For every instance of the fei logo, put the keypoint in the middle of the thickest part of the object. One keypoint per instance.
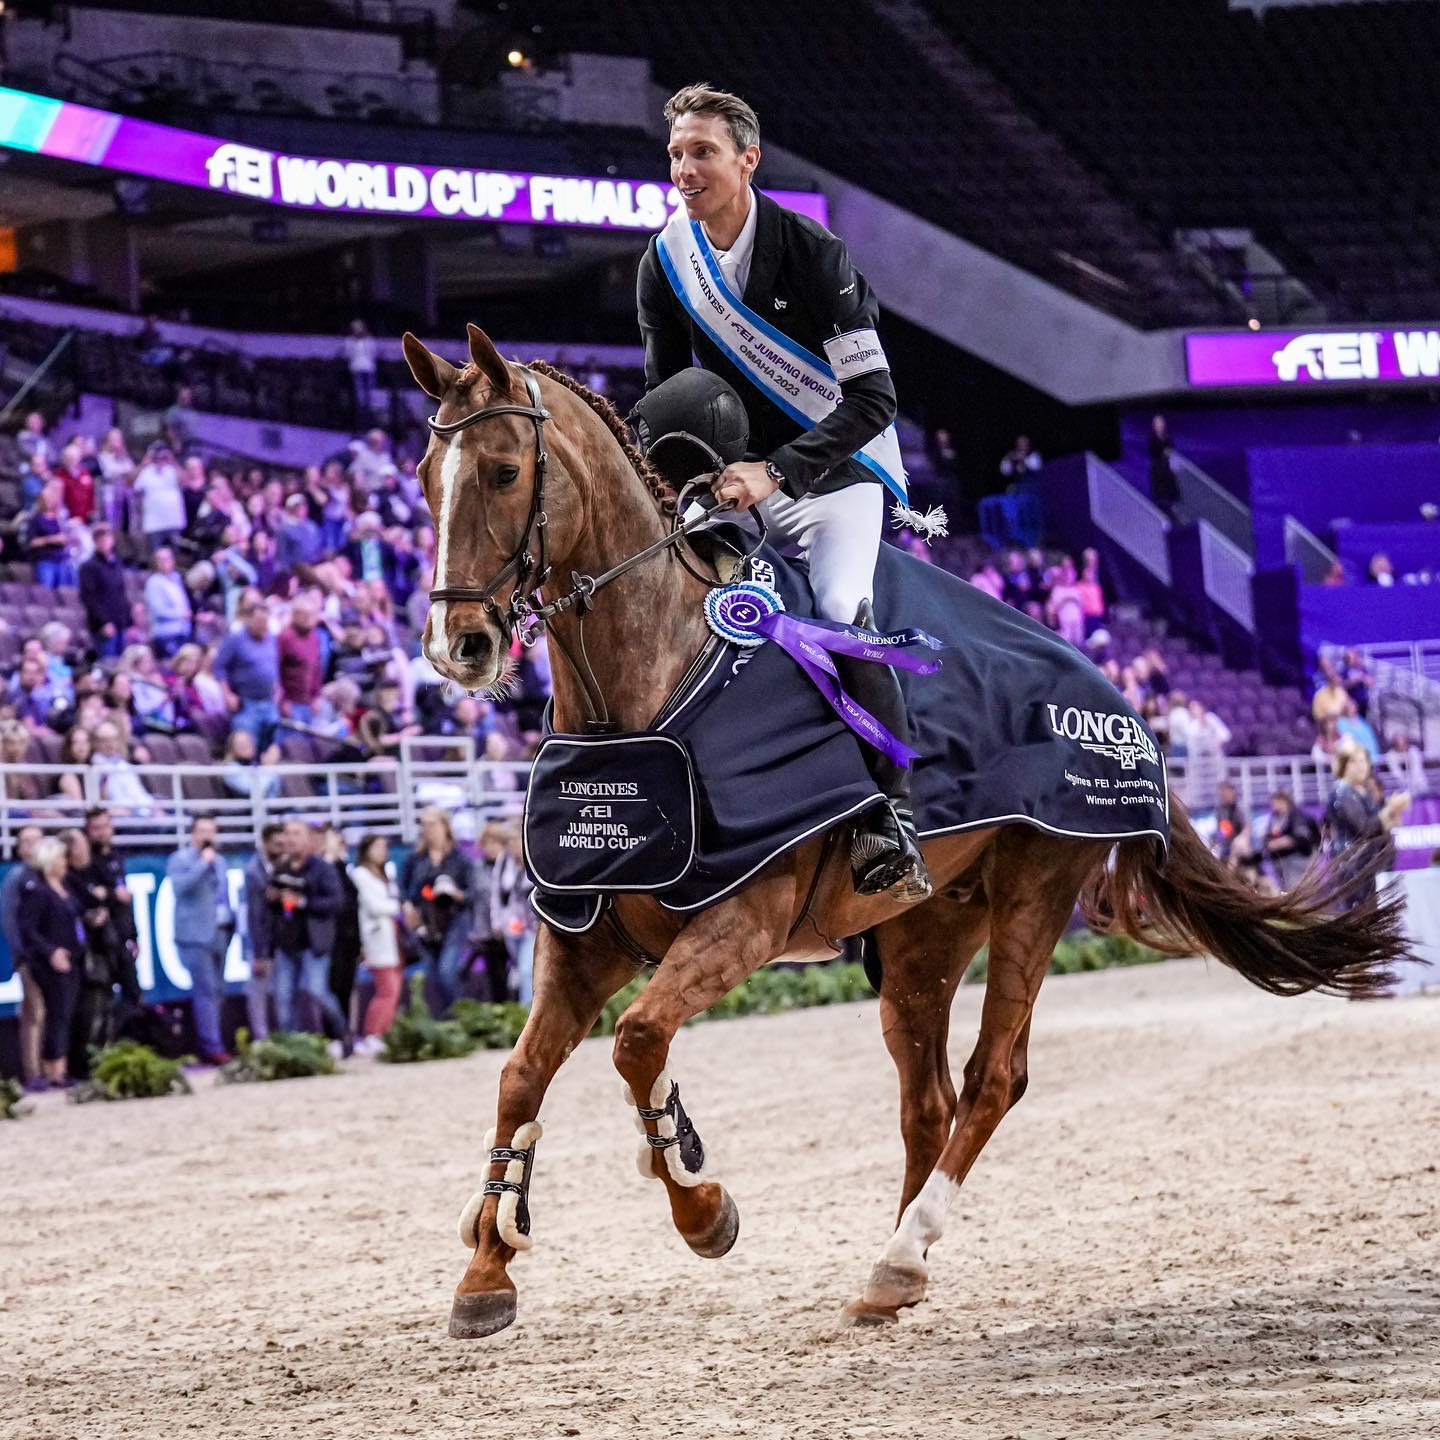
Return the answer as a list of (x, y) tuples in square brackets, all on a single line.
[(1117, 737), (1339, 355), (241, 171)]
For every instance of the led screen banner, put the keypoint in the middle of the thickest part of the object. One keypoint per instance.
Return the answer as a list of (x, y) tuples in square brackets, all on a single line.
[(324, 184), (1302, 359), (161, 971)]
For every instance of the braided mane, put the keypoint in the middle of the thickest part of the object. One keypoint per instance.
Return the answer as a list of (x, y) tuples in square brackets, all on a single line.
[(660, 492)]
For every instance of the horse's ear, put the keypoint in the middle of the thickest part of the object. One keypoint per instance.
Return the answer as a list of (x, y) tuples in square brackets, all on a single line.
[(488, 360), (432, 374)]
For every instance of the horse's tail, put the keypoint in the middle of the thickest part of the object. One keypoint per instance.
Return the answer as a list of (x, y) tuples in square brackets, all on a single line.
[(1187, 902)]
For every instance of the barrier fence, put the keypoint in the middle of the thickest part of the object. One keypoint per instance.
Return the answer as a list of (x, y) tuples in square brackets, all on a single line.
[(1226, 572), (1128, 518), (1305, 550), (387, 798), (379, 797), (1206, 499), (1308, 781)]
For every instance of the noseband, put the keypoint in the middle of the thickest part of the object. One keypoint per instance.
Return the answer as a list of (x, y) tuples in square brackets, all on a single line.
[(529, 571)]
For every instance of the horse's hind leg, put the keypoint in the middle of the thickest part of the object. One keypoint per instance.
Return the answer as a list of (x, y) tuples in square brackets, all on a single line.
[(924, 952), (1034, 882), (713, 953), (573, 980)]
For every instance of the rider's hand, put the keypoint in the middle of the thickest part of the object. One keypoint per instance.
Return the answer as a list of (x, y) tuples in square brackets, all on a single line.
[(746, 482)]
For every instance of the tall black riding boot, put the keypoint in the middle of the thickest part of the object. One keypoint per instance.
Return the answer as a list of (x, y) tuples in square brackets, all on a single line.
[(885, 852)]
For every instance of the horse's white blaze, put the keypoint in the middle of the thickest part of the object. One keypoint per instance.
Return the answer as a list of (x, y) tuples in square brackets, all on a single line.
[(922, 1224), (436, 650), (449, 474)]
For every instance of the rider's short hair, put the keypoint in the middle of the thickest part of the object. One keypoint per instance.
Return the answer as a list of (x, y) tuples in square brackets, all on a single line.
[(703, 99)]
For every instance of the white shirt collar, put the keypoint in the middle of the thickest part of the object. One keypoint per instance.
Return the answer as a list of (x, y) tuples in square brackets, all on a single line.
[(735, 262)]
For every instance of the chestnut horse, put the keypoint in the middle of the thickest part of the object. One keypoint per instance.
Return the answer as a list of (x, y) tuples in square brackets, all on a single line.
[(1014, 886)]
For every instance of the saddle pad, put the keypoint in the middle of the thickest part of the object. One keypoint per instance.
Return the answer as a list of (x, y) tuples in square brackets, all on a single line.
[(610, 812), (1016, 726)]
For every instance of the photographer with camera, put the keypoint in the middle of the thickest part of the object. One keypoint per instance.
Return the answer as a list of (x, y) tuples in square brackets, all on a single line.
[(435, 895), (304, 897), (105, 876)]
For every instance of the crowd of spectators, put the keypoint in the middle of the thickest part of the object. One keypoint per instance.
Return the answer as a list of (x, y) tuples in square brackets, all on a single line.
[(1342, 711), (1067, 598), (327, 936), (234, 605)]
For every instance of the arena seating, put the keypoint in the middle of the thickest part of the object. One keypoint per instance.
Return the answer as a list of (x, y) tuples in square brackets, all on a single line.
[(934, 148), (311, 391), (1310, 126)]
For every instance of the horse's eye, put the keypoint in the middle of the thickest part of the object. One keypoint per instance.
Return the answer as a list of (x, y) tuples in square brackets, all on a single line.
[(506, 475)]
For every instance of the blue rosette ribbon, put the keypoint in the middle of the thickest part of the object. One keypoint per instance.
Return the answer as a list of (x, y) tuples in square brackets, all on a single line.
[(749, 613)]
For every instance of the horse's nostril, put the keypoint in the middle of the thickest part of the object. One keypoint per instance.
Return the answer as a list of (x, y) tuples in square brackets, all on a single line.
[(473, 647)]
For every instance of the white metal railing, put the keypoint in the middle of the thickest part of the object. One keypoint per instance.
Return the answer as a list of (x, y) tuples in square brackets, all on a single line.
[(384, 797), (1226, 571), (1207, 499), (1405, 693), (1420, 658), (1305, 549), (1307, 780), (1128, 518)]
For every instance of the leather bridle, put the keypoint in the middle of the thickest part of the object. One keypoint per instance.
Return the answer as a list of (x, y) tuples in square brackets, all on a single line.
[(528, 570)]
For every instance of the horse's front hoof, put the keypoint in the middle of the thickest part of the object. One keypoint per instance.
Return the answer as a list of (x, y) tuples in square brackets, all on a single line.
[(720, 1238), (472, 1317), (863, 1315)]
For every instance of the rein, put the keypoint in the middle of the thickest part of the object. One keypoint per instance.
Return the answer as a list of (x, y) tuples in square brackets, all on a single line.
[(521, 616)]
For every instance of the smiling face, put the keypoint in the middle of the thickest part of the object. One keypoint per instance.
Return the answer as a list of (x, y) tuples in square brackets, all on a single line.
[(710, 171)]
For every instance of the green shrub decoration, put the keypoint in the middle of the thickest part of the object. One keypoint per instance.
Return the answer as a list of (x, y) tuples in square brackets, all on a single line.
[(11, 1094), (490, 1026), (476, 1025), (128, 1071), (768, 991), (282, 1055), (416, 1034), (1084, 950), (1077, 951)]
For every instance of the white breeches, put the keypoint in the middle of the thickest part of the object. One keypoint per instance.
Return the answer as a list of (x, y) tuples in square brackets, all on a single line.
[(838, 535)]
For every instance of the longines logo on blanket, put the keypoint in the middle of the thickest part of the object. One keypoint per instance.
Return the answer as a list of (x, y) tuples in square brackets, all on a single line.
[(1117, 737)]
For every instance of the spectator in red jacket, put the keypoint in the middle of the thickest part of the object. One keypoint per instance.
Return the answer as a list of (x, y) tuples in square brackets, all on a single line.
[(302, 668), (78, 482)]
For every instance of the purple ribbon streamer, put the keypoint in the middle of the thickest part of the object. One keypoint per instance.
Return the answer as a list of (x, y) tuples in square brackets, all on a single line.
[(810, 643)]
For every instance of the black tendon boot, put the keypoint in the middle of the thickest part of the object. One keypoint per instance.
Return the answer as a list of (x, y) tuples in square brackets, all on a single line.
[(885, 852)]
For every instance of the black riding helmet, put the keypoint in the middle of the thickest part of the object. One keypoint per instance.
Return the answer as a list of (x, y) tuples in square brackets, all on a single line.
[(690, 424)]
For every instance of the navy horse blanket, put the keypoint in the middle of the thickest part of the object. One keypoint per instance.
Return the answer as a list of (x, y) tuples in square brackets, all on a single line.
[(1016, 726)]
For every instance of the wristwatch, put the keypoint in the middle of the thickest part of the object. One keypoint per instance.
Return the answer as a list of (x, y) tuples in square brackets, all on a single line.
[(775, 473)]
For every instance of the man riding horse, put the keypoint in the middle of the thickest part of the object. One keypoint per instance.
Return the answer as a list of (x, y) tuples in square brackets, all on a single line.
[(819, 491), (531, 478)]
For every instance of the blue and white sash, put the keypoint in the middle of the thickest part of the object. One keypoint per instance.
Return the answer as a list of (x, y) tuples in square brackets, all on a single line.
[(804, 386)]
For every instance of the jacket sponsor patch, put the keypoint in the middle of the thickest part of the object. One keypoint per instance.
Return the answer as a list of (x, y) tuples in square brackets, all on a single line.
[(857, 352)]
